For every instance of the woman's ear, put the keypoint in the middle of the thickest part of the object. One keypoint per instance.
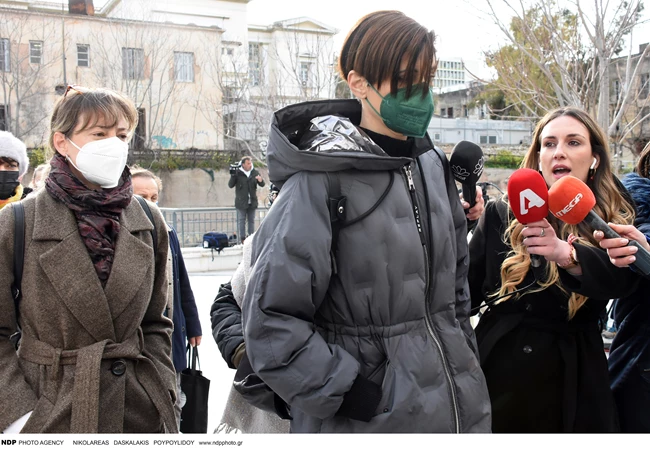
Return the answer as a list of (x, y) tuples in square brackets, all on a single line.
[(60, 143), (358, 85)]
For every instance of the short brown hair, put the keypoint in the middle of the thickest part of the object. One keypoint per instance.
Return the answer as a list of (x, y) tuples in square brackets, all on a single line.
[(90, 105), (246, 159), (377, 44), (137, 171)]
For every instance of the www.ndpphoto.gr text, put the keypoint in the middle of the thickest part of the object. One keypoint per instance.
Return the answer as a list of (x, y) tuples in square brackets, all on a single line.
[(221, 442)]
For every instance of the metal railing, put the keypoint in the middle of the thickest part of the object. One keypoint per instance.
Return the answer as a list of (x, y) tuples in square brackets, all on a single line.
[(191, 223)]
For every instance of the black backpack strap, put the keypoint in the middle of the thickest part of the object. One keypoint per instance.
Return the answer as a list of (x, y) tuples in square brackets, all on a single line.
[(19, 257), (147, 210), (19, 250)]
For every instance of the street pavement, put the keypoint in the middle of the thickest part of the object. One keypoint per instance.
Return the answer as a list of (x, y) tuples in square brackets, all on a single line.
[(205, 287)]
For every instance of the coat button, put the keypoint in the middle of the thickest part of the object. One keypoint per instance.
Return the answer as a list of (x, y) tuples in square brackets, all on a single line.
[(118, 367), (528, 349), (529, 307)]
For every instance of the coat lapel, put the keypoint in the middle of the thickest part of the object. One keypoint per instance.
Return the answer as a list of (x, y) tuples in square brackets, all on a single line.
[(69, 269), (133, 259)]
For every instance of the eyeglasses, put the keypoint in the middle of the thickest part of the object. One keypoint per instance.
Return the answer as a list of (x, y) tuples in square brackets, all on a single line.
[(77, 88)]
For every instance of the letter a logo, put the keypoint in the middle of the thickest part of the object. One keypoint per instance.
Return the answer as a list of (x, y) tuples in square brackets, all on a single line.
[(533, 200)]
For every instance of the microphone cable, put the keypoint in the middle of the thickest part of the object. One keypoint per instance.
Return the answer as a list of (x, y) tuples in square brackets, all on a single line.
[(492, 301)]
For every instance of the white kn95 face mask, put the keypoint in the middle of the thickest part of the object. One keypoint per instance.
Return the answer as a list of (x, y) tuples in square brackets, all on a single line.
[(102, 162)]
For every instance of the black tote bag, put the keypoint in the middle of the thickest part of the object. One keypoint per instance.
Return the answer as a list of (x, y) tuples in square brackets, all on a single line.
[(194, 416)]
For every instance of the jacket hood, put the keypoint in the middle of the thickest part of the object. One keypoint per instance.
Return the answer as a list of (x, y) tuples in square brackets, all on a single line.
[(323, 136), (639, 188)]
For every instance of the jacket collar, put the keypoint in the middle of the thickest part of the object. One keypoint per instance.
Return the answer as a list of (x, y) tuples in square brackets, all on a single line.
[(291, 119), (69, 269)]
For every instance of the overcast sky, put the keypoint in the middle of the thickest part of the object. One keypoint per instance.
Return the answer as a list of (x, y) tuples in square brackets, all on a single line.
[(461, 28), (464, 28)]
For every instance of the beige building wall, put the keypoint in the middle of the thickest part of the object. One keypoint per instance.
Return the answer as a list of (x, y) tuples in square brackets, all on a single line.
[(218, 108), (174, 112), (299, 54)]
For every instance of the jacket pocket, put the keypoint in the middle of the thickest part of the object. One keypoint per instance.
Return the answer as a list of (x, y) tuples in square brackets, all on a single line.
[(387, 390), (39, 416)]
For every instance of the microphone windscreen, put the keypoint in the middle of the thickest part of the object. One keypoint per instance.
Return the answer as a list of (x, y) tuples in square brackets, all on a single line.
[(466, 162), (570, 200), (528, 195)]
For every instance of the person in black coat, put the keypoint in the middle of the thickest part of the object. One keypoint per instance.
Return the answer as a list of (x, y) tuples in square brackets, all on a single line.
[(187, 325), (541, 348), (629, 355), (245, 179)]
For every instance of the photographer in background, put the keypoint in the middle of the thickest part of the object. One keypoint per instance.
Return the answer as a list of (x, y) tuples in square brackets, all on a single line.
[(245, 179)]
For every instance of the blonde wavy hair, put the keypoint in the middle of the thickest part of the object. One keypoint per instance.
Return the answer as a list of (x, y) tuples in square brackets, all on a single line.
[(610, 205)]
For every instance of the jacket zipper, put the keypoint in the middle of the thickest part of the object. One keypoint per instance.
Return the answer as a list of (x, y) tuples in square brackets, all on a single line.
[(418, 222)]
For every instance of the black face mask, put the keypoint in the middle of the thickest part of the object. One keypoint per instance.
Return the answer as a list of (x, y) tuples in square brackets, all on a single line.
[(8, 183)]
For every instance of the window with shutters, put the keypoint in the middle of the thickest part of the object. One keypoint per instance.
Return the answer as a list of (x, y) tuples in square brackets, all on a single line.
[(83, 55), (132, 63), (184, 66), (5, 61), (36, 52), (254, 63)]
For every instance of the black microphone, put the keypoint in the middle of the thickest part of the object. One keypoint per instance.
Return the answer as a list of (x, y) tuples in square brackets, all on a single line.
[(467, 166)]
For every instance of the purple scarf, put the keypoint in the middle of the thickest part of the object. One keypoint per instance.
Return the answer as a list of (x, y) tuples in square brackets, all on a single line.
[(97, 212)]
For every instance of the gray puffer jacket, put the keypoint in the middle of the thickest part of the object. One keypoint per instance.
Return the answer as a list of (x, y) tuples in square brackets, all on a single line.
[(397, 310)]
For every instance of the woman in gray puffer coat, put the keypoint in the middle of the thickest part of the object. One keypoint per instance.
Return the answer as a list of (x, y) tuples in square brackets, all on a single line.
[(371, 332)]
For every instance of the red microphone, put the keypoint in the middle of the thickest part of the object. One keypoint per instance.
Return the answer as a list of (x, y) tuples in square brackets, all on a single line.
[(528, 198), (571, 201)]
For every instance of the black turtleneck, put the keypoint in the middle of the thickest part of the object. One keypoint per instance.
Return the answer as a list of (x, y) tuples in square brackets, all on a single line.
[(392, 146)]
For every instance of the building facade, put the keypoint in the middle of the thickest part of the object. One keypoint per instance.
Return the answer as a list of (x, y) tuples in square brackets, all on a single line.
[(458, 101), (200, 75), (449, 131), (451, 72), (633, 131)]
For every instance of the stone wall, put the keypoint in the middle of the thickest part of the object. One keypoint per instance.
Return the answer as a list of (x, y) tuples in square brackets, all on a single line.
[(194, 188), (190, 188), (198, 188)]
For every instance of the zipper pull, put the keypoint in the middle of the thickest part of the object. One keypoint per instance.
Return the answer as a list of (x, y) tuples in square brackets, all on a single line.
[(409, 177)]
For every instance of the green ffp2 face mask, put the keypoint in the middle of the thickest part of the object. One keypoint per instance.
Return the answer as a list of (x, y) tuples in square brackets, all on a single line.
[(407, 116)]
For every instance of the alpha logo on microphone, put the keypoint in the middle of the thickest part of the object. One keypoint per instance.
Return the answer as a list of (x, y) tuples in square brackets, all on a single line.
[(569, 207), (533, 200)]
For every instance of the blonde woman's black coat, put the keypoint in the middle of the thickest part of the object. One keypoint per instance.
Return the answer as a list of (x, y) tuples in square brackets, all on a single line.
[(544, 372)]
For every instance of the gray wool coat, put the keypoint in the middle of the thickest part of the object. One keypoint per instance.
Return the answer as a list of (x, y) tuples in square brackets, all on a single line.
[(91, 359)]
